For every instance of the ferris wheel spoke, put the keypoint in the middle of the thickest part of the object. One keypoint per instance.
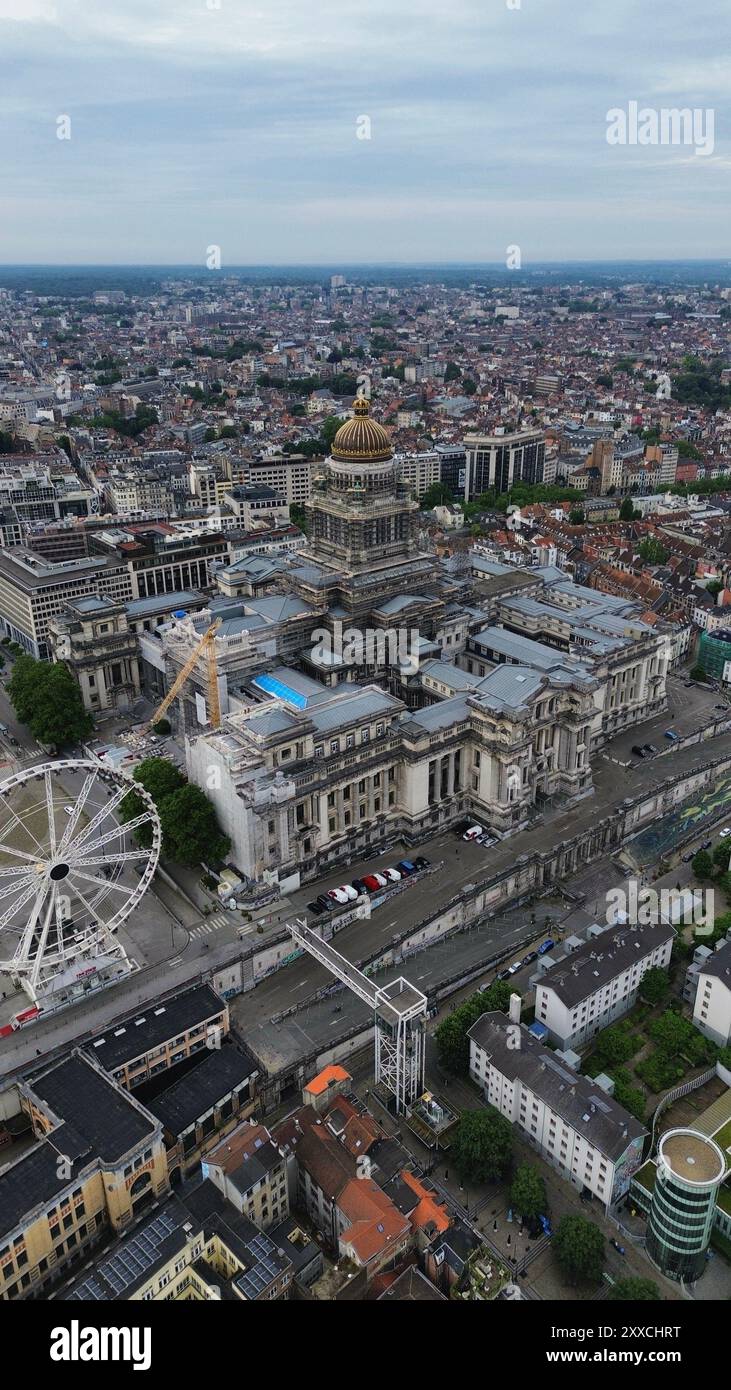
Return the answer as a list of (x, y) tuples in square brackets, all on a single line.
[(128, 827), (92, 909), (48, 783), (21, 854), (35, 890), (106, 883), (17, 821), (100, 817), (121, 858), (78, 807), (18, 869), (40, 949), (15, 887)]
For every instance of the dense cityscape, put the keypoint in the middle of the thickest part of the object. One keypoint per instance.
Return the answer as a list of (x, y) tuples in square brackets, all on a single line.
[(366, 645), (365, 681)]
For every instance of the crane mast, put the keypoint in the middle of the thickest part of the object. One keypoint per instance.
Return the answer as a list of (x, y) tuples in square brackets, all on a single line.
[(206, 645)]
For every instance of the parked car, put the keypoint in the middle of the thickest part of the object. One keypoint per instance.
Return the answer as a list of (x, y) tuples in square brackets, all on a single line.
[(420, 862), (325, 901), (360, 885), (725, 832), (638, 752), (372, 883), (337, 895), (406, 867), (473, 833), (515, 967), (392, 875), (350, 892), (502, 974), (671, 734), (315, 908), (381, 880), (531, 956), (706, 844), (616, 1246), (687, 857), (546, 945), (649, 747)]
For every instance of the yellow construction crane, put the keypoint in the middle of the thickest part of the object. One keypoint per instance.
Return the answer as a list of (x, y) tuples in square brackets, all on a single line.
[(207, 644)]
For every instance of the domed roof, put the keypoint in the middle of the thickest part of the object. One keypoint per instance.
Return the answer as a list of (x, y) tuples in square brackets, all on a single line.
[(361, 439)]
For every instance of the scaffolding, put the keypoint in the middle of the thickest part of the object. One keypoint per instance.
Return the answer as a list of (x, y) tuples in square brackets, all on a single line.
[(206, 646), (399, 1011)]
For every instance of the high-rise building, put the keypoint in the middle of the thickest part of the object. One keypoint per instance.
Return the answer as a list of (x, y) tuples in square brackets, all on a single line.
[(494, 462)]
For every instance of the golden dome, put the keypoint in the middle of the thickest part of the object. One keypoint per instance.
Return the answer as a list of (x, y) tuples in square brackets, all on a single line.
[(361, 438)]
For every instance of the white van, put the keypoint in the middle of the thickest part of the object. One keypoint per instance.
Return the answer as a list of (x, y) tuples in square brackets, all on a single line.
[(473, 832)]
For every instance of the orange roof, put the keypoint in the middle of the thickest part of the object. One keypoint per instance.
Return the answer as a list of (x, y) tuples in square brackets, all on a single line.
[(375, 1223), (327, 1077), (429, 1208)]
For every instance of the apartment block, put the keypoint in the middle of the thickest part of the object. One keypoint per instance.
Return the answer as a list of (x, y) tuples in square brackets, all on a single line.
[(591, 1140), (712, 1007), (599, 982)]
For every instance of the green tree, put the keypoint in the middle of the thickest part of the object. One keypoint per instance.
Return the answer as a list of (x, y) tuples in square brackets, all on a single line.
[(436, 495), (297, 516), (627, 510), (578, 1246), (452, 372), (614, 1045), (653, 551), (721, 856), (702, 864), (482, 1145), (576, 516), (330, 427), (45, 696), (160, 778), (655, 985), (634, 1291), (453, 1044), (670, 1033), (528, 1192), (190, 829)]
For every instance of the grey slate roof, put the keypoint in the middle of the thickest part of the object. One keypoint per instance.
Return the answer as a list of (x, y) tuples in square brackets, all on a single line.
[(596, 962), (576, 1099), (719, 964), (220, 1072)]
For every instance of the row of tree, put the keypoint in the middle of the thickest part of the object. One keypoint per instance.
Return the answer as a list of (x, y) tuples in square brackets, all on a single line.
[(47, 700), (190, 830), (481, 1150)]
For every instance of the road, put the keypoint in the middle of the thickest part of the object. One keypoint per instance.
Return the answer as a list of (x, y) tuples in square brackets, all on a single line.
[(460, 864)]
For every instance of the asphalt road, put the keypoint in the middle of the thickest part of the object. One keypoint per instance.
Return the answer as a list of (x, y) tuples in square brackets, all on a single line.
[(459, 865)]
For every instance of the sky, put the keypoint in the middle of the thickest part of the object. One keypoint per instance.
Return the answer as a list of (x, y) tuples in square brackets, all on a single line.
[(236, 124)]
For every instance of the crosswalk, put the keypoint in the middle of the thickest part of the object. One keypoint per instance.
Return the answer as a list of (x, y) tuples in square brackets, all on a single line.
[(211, 924)]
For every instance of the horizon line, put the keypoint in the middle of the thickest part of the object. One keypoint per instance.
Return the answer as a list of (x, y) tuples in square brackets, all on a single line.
[(325, 265)]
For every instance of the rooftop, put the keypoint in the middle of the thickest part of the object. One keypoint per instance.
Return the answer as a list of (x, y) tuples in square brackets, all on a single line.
[(577, 1099)]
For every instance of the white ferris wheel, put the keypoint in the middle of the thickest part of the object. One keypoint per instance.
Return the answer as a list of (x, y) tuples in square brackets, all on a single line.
[(70, 873)]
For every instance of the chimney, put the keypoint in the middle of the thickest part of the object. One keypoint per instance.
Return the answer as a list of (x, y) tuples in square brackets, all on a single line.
[(514, 1008)]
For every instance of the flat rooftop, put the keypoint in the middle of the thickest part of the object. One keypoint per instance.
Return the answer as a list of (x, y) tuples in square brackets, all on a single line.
[(691, 1157)]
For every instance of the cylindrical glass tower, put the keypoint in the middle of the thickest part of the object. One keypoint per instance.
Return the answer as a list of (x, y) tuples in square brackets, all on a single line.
[(690, 1168)]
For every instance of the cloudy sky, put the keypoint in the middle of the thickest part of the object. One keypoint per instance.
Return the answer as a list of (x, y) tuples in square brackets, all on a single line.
[(235, 123)]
